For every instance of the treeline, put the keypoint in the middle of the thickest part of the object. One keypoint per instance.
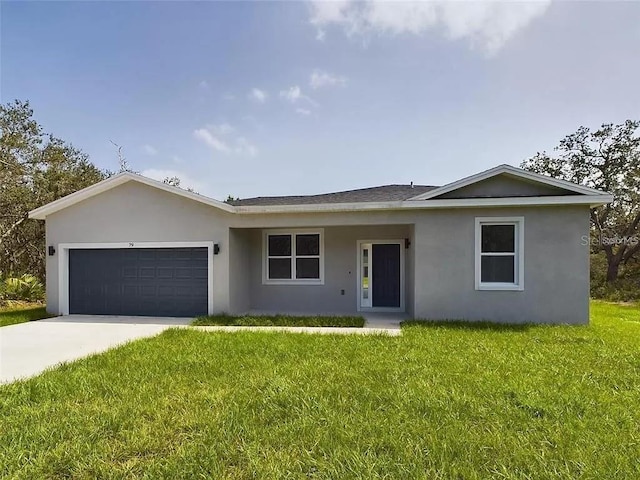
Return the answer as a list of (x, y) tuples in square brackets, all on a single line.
[(36, 168), (607, 159)]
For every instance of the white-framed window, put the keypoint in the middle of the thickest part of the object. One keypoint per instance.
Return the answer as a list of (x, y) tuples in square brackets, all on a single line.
[(499, 253), (293, 257)]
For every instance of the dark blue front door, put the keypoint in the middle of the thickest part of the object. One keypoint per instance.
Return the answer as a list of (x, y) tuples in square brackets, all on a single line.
[(386, 275)]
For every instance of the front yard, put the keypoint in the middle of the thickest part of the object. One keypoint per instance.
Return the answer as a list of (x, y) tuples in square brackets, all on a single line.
[(438, 402)]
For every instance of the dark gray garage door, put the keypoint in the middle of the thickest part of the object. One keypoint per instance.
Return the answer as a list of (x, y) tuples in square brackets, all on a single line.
[(166, 282)]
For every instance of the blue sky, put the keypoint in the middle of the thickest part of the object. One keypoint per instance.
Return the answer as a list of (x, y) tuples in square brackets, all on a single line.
[(260, 98)]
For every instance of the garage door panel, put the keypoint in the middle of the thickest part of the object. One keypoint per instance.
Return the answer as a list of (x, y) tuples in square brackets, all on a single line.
[(127, 253), (183, 291), (200, 273), (155, 282), (166, 290), (129, 290), (165, 272), (147, 272), (201, 254), (129, 272), (183, 273), (147, 254), (198, 293), (148, 291)]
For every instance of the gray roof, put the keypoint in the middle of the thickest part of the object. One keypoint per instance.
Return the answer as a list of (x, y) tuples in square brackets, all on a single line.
[(384, 193)]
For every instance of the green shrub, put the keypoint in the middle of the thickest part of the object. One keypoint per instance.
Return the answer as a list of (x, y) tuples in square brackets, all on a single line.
[(622, 290), (625, 289), (25, 288)]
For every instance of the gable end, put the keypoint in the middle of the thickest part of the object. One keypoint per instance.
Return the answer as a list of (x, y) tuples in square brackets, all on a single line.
[(503, 186)]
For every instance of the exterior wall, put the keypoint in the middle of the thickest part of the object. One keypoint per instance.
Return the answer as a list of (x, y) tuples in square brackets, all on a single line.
[(240, 272), (556, 264), (311, 220), (134, 212), (439, 265), (340, 273), (505, 186), (410, 273)]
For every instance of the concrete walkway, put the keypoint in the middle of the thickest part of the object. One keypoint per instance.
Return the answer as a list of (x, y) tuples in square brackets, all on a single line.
[(317, 330), (389, 321), (29, 348), (377, 323)]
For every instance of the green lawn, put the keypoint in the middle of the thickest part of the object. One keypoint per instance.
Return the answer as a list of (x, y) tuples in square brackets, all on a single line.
[(280, 320), (22, 313), (438, 402)]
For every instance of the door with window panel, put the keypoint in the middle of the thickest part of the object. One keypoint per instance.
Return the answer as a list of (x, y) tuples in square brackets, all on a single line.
[(379, 276)]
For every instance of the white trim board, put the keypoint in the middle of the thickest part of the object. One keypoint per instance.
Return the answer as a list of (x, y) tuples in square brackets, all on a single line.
[(63, 265), (112, 182), (590, 200), (515, 172), (589, 196), (359, 244)]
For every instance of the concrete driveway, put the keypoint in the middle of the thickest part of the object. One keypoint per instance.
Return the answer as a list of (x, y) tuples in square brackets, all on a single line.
[(29, 348)]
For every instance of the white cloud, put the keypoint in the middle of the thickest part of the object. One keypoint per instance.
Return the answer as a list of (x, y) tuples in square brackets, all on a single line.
[(185, 180), (257, 95), (228, 97), (222, 138), (221, 129), (487, 25), (319, 79), (243, 147), (303, 111), (211, 140), (149, 150), (203, 85), (294, 94)]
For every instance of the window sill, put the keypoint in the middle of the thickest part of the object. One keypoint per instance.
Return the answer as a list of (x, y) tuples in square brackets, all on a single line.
[(293, 282), (500, 287)]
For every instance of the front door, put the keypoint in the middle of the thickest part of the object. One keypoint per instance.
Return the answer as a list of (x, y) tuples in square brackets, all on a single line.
[(386, 275), (380, 275)]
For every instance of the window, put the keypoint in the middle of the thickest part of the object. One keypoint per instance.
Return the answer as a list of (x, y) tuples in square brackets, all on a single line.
[(500, 253), (293, 257)]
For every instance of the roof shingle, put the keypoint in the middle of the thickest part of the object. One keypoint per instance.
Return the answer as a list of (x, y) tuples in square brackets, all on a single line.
[(384, 193)]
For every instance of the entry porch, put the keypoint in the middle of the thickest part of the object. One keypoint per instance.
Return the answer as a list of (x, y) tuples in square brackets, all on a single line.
[(329, 270)]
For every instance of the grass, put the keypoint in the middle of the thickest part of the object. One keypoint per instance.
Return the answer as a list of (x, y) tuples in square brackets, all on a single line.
[(280, 320), (19, 312), (460, 401)]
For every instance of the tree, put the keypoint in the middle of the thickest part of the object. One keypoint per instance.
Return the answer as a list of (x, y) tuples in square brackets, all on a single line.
[(607, 159), (230, 199), (176, 182), (173, 181), (35, 168), (123, 164)]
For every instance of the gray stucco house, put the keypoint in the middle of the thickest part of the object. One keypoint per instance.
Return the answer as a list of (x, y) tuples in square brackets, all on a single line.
[(504, 245)]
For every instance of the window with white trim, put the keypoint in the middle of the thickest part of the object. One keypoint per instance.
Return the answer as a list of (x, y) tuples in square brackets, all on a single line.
[(293, 257), (499, 253)]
